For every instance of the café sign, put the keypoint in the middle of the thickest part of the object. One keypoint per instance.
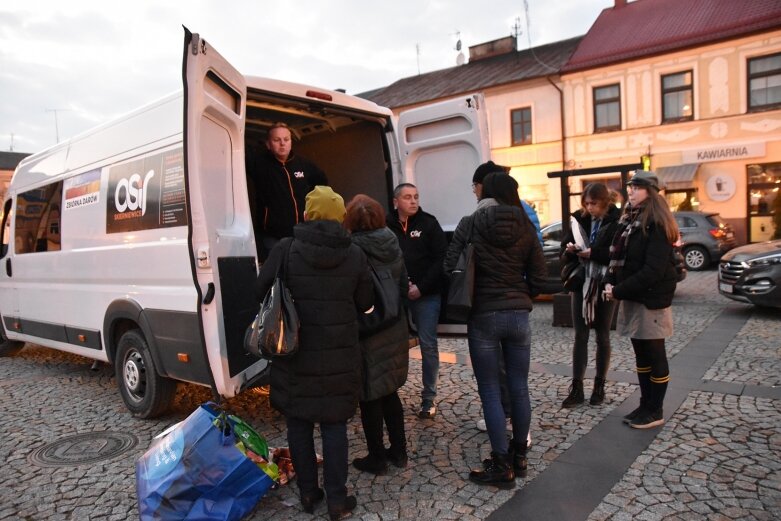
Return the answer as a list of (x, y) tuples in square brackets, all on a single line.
[(724, 153)]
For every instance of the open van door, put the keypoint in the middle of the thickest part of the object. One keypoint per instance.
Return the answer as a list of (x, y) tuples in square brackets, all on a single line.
[(441, 145), (221, 236)]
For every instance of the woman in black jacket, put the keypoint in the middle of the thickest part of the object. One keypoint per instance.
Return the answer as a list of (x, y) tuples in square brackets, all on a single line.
[(642, 276), (597, 221), (385, 351), (328, 278), (509, 266)]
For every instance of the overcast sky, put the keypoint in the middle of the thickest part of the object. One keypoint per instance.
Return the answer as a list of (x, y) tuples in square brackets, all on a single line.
[(93, 60)]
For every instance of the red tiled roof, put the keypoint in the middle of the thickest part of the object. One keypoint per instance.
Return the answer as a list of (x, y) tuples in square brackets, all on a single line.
[(480, 74), (647, 27)]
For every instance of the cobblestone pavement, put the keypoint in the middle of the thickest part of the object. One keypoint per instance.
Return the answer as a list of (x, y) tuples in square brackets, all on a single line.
[(719, 457)]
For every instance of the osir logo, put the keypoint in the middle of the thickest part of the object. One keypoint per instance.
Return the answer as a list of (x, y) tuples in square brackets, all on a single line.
[(131, 193)]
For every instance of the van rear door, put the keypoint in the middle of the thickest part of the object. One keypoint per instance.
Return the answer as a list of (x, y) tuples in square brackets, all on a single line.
[(222, 241), (441, 145)]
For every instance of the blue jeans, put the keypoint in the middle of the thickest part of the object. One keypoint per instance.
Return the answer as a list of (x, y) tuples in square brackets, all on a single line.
[(495, 336), (425, 313)]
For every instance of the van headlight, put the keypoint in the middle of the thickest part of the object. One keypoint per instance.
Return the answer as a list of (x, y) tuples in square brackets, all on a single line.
[(768, 260)]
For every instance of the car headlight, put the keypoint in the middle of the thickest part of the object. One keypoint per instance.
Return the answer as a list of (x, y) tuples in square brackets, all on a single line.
[(765, 261)]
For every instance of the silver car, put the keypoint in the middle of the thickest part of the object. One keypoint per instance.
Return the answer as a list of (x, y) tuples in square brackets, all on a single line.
[(705, 238)]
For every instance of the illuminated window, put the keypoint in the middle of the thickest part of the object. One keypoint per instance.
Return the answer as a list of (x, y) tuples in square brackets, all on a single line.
[(677, 97)]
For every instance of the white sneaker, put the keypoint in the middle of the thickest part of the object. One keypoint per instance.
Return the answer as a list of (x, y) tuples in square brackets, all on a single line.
[(481, 426)]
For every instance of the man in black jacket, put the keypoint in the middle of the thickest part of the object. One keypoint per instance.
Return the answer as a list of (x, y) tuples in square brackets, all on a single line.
[(280, 184), (423, 243)]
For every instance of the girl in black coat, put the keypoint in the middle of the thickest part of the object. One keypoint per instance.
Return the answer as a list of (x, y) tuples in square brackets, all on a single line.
[(597, 220), (643, 277), (385, 352)]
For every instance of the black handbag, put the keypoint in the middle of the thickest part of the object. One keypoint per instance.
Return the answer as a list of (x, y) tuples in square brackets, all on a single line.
[(461, 288), (573, 275), (387, 302), (274, 332)]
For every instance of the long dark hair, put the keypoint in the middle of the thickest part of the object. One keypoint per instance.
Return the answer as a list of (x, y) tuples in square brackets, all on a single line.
[(502, 187), (657, 212), (596, 192)]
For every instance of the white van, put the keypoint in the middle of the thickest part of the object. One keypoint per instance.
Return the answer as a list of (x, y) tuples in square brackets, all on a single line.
[(133, 243)]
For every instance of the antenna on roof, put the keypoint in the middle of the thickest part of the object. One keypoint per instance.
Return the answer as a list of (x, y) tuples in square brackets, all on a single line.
[(417, 52), (460, 57), (517, 31), (11, 149)]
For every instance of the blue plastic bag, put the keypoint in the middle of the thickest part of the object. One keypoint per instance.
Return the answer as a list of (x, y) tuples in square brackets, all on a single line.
[(194, 471)]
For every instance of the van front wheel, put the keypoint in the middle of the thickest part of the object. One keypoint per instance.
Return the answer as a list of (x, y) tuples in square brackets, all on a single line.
[(9, 347), (145, 393)]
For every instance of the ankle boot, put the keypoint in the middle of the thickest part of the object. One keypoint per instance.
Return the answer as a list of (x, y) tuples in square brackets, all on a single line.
[(598, 394), (372, 464), (575, 396), (518, 453), (498, 471)]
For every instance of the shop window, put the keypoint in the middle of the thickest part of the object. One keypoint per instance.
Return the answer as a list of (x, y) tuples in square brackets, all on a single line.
[(521, 126), (682, 200), (677, 97), (764, 202), (607, 108), (38, 219), (764, 82)]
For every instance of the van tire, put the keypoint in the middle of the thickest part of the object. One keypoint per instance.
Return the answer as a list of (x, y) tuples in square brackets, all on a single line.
[(145, 393), (9, 347)]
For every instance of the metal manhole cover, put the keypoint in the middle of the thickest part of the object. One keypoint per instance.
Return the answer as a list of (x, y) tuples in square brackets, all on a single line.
[(81, 449)]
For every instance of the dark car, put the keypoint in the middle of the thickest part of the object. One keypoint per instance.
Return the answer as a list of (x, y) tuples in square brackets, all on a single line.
[(752, 274), (552, 234), (705, 238)]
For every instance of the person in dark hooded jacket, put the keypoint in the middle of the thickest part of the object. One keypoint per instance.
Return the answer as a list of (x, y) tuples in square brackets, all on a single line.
[(509, 267), (329, 281), (386, 351)]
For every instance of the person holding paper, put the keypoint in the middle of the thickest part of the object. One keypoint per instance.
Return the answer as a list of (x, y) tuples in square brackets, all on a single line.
[(589, 238)]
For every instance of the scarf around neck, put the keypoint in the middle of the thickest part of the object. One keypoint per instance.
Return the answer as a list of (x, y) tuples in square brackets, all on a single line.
[(628, 224)]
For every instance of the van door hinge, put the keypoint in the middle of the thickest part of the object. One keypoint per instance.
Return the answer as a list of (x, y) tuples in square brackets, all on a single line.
[(198, 44)]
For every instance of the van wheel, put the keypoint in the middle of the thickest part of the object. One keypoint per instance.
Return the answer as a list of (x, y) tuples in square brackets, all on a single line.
[(696, 258), (145, 393), (9, 347)]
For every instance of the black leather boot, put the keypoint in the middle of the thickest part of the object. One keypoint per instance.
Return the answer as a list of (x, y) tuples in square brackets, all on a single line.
[(575, 397), (498, 472), (520, 463), (598, 394)]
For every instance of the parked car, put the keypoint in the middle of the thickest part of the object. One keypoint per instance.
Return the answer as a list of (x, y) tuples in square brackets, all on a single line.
[(552, 234), (705, 238), (752, 273)]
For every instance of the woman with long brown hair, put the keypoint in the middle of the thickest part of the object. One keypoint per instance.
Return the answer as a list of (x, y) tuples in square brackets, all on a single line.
[(643, 277)]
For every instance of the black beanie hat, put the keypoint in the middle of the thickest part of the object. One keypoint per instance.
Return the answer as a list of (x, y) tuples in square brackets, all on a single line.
[(487, 168)]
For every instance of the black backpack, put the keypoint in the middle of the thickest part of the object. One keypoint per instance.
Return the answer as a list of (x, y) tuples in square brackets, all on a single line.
[(387, 302)]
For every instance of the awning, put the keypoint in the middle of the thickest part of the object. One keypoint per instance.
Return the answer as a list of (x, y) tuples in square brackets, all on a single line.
[(679, 176)]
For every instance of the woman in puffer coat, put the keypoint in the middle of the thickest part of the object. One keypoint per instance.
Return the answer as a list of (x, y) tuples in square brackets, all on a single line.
[(385, 351), (329, 281), (509, 266)]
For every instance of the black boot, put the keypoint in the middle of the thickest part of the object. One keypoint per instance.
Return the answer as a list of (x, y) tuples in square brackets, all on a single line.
[(575, 395), (598, 394), (310, 500), (372, 464), (518, 453), (498, 471), (336, 512)]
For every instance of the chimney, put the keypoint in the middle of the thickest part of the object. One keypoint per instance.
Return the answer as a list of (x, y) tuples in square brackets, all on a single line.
[(619, 4), (492, 48)]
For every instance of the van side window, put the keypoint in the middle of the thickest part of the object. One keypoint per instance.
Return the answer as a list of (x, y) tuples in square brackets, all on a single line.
[(5, 228), (38, 219)]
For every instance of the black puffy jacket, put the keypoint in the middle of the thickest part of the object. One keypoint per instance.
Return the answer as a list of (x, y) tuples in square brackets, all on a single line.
[(328, 278), (385, 353), (648, 275), (510, 266)]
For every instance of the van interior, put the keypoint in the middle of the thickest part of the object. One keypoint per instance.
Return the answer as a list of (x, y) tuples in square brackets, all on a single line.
[(349, 146)]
